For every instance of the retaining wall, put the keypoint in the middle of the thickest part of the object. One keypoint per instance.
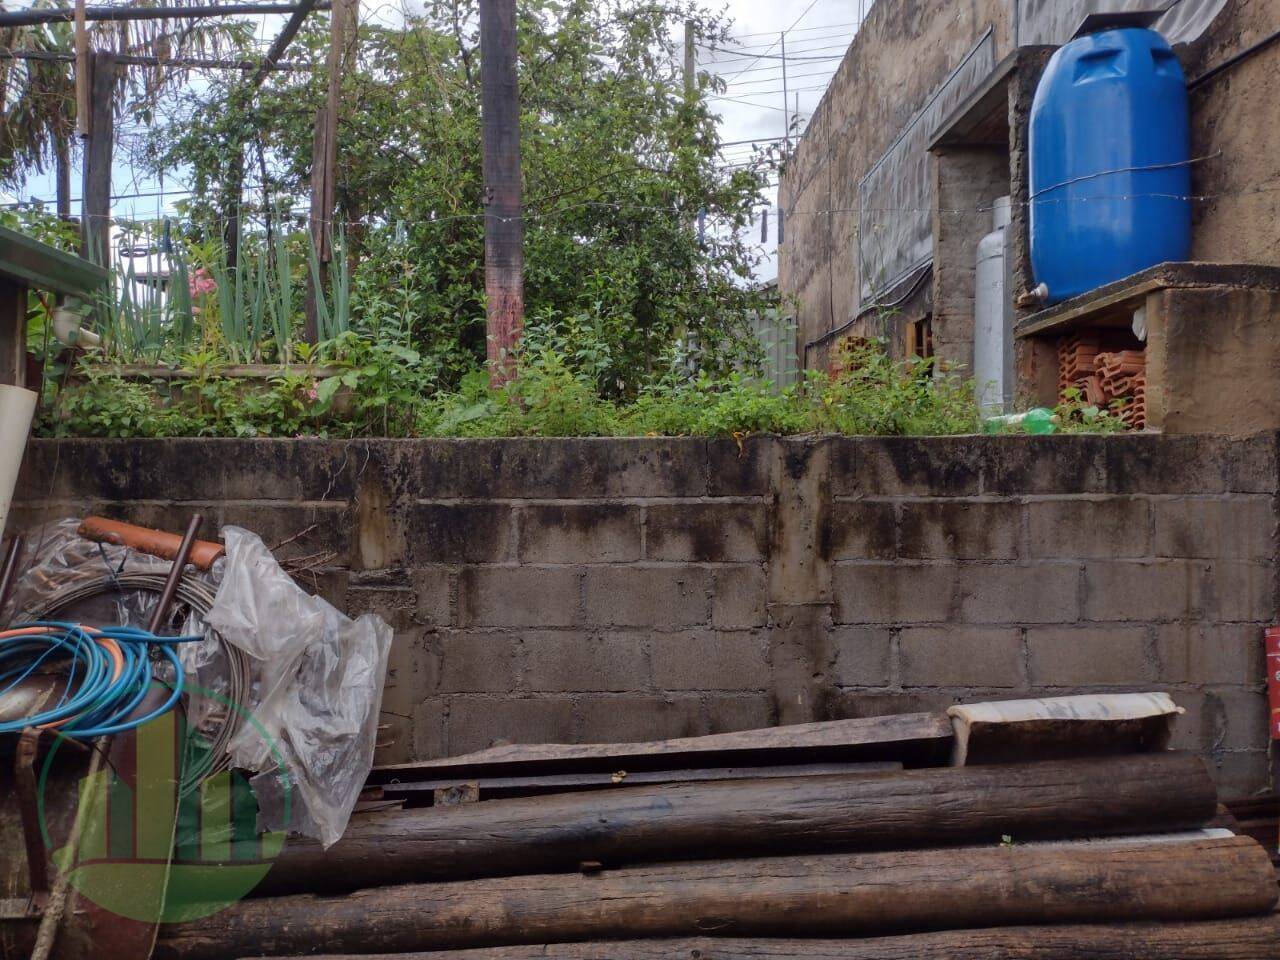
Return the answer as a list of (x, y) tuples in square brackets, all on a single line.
[(586, 590)]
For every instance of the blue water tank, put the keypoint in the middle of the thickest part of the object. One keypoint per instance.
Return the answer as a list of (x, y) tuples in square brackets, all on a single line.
[(1110, 140)]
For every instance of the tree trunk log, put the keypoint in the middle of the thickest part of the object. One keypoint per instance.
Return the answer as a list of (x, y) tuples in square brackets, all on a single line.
[(887, 811), (832, 896), (1253, 938)]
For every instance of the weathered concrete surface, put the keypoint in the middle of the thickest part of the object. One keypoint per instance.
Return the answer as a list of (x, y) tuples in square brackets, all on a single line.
[(904, 53), (581, 590)]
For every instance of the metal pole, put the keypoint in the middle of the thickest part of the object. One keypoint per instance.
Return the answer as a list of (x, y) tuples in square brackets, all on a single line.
[(161, 612), (504, 223)]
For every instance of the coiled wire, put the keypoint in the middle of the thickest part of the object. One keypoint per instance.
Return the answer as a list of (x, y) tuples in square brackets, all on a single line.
[(198, 597)]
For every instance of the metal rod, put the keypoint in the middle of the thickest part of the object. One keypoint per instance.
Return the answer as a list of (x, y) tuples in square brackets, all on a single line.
[(9, 575), (161, 613), (132, 60), (33, 17)]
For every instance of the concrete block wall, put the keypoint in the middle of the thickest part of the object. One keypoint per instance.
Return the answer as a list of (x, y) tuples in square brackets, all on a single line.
[(596, 590)]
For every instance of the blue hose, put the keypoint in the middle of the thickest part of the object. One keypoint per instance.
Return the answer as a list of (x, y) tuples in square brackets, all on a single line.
[(98, 699)]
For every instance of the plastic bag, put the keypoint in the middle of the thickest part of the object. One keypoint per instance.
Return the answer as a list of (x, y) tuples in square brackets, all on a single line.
[(317, 692)]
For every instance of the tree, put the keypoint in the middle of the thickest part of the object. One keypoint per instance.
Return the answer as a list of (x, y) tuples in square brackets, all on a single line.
[(618, 166)]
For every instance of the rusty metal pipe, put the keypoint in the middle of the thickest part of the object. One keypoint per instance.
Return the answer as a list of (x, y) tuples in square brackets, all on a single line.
[(161, 612)]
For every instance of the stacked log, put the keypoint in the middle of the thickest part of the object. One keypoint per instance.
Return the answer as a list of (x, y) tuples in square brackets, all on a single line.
[(954, 862)]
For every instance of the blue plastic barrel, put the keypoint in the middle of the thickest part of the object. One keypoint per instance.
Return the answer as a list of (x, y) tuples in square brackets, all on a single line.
[(1110, 141)]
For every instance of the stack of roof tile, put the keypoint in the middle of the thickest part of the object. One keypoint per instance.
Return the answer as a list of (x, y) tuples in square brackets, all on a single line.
[(1103, 371), (1123, 377)]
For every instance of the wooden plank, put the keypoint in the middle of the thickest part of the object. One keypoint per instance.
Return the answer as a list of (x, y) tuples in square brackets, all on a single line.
[(906, 737), (831, 896), (505, 787), (1251, 938), (95, 212), (887, 811)]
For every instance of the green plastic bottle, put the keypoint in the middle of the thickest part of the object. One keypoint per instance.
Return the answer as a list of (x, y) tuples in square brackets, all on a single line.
[(1037, 422)]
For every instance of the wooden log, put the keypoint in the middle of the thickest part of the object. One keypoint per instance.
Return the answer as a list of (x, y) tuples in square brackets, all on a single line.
[(886, 811), (925, 737), (1252, 938), (838, 895)]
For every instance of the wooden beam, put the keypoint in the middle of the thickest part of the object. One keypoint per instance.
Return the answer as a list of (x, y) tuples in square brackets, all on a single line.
[(31, 17), (831, 896), (873, 811), (1251, 938), (504, 211), (284, 38), (921, 737)]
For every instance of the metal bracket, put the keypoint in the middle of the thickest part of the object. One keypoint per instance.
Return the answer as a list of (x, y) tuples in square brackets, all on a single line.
[(28, 807)]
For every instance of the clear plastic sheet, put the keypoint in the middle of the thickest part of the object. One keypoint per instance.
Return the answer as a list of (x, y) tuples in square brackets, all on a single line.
[(318, 691)]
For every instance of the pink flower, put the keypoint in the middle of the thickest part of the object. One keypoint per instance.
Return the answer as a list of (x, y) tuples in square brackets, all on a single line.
[(313, 394), (200, 283)]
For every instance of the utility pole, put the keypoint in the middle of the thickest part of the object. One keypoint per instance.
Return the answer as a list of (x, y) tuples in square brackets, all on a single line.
[(786, 120), (503, 223), (95, 209), (343, 31)]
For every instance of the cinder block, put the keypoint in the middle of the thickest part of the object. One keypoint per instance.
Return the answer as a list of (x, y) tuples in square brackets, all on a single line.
[(700, 660), (569, 468), (1088, 656), (578, 661), (396, 605), (961, 529), (1197, 728), (579, 533), (1005, 593), (1240, 590), (457, 533), (325, 527), (1241, 528), (478, 723), (428, 729), (863, 530), (863, 656), (1033, 466), (892, 593), (741, 469), (739, 597), (518, 596), (1244, 717), (1210, 653), (960, 656), (1241, 774), (706, 532), (1158, 590), (476, 662), (732, 713), (632, 719), (434, 587), (636, 596), (905, 466), (1115, 527)]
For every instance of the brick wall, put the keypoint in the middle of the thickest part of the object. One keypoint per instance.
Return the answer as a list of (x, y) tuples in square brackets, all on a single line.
[(627, 589)]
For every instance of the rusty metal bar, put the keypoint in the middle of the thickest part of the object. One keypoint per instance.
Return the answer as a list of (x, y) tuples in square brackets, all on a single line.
[(175, 574)]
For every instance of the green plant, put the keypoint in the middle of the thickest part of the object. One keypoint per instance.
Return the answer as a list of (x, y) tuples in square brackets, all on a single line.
[(1074, 414)]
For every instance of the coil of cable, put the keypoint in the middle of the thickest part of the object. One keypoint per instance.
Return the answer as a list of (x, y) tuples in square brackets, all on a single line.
[(198, 597)]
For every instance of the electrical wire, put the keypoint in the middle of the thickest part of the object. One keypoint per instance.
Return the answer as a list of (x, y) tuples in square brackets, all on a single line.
[(226, 709), (114, 669)]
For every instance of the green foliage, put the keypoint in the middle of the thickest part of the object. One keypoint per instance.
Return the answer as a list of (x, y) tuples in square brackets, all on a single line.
[(617, 164), (349, 387), (1074, 414)]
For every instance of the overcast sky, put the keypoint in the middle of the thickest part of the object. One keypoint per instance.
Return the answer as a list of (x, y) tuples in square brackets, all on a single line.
[(817, 34)]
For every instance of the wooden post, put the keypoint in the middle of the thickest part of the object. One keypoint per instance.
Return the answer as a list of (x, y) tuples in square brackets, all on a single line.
[(62, 165), (95, 215), (13, 334), (504, 223), (343, 29)]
